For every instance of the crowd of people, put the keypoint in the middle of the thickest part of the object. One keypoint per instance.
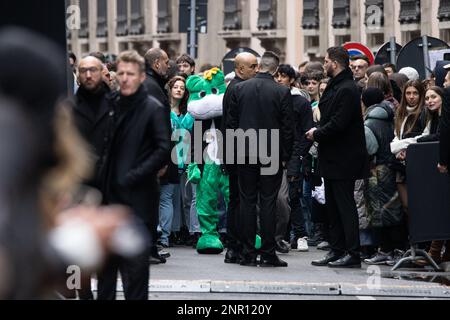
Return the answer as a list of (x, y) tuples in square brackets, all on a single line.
[(342, 129)]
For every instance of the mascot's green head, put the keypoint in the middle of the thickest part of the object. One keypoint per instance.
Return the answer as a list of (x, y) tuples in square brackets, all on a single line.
[(206, 94)]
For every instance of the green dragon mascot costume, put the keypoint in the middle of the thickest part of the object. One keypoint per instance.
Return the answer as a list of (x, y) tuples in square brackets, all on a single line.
[(205, 105)]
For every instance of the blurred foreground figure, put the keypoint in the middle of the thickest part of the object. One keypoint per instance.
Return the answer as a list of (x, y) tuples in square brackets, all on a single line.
[(42, 161)]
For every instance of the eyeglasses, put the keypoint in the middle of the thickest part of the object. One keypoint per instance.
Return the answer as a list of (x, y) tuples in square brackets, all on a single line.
[(86, 70)]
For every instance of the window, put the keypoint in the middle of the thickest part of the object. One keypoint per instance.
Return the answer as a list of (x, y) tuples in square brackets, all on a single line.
[(102, 18), (103, 47), (445, 35), (85, 48), (409, 11), (267, 14), (164, 16), (375, 40), (137, 17), (341, 17), (340, 40), (122, 18), (444, 10), (84, 21), (408, 36), (371, 13), (312, 42), (232, 18), (311, 14)]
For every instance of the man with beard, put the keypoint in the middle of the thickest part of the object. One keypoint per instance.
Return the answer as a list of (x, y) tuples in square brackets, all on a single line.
[(343, 158), (94, 121), (92, 112)]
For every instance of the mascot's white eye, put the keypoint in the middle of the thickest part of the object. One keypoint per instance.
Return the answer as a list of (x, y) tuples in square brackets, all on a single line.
[(202, 94), (214, 91)]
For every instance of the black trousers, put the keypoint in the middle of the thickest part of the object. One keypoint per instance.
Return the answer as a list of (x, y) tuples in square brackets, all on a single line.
[(233, 211), (342, 216), (283, 210), (252, 184), (135, 274)]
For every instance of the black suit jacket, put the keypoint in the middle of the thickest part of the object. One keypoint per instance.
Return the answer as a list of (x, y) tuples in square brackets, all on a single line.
[(261, 103), (342, 144), (226, 110)]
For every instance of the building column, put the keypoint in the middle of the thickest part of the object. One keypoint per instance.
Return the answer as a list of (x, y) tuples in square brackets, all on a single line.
[(327, 37), (113, 45), (355, 20), (92, 16), (295, 46), (255, 43), (211, 48)]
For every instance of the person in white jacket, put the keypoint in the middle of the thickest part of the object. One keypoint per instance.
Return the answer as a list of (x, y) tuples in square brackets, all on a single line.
[(408, 129)]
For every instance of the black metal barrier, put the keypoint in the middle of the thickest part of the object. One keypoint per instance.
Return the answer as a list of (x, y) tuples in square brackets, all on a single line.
[(428, 194), (428, 200)]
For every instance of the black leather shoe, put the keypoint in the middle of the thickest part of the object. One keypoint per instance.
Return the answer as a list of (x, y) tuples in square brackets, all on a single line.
[(157, 259), (282, 247), (330, 257), (348, 261), (248, 262), (232, 257), (273, 262)]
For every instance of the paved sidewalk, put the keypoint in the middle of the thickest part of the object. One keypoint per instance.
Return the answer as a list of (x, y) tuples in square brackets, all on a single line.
[(188, 272)]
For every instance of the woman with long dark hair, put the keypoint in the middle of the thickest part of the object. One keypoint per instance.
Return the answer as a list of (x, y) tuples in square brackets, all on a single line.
[(182, 122), (408, 128)]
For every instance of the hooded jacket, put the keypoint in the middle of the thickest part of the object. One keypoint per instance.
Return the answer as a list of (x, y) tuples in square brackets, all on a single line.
[(379, 128), (303, 122)]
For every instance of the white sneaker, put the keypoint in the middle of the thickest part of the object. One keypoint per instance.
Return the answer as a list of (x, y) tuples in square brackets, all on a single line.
[(302, 245)]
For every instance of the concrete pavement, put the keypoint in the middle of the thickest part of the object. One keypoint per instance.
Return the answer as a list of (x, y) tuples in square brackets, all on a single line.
[(188, 275)]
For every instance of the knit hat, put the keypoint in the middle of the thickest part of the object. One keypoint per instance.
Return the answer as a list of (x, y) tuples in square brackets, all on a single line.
[(411, 73), (372, 96)]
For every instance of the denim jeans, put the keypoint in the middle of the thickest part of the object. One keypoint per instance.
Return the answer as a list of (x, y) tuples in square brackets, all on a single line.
[(297, 216), (169, 211), (186, 197), (306, 201), (194, 225), (222, 211)]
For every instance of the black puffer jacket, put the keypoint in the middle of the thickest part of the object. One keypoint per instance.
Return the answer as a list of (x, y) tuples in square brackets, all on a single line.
[(379, 124)]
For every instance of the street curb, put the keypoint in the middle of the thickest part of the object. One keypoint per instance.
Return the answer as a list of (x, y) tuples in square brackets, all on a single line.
[(293, 288)]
